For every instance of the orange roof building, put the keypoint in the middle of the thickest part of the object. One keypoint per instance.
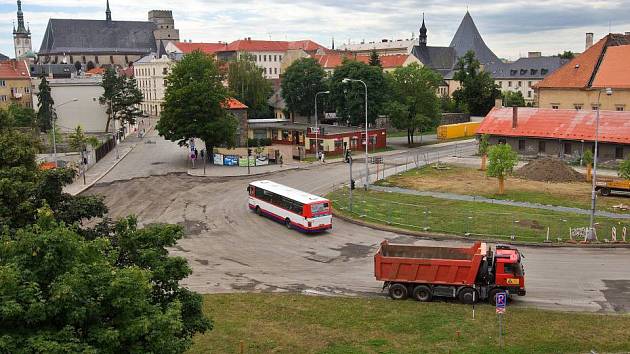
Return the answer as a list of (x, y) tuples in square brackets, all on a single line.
[(332, 60), (189, 47), (577, 84), (15, 75), (559, 132)]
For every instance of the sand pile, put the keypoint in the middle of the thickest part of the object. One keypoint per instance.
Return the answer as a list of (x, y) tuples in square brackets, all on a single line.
[(549, 170)]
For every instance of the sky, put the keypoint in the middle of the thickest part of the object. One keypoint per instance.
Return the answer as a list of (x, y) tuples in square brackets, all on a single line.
[(511, 28)]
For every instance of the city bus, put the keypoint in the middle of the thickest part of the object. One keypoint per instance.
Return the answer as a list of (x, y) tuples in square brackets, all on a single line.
[(295, 209)]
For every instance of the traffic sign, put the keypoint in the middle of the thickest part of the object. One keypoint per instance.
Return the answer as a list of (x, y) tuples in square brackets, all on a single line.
[(501, 300), (314, 130)]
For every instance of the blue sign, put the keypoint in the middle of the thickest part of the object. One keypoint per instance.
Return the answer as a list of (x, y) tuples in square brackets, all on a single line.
[(501, 300), (229, 160)]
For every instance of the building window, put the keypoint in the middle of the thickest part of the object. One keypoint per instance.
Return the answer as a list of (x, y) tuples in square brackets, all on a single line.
[(502, 141), (165, 71), (27, 89), (594, 107), (529, 84), (619, 153), (567, 149), (541, 147), (521, 145), (264, 58), (83, 58), (3, 83), (111, 59), (520, 84), (3, 98), (555, 106), (529, 94), (619, 108), (577, 107), (509, 83), (275, 71), (96, 59)]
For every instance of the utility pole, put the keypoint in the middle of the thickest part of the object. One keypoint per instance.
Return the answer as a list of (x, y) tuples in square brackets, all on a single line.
[(351, 180), (367, 168), (317, 123), (609, 92)]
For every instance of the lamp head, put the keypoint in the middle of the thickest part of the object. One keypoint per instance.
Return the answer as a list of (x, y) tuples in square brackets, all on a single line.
[(345, 81), (326, 92)]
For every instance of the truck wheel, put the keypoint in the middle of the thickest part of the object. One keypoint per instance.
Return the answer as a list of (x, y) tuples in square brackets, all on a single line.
[(468, 296), (492, 296), (605, 192), (422, 293), (398, 291)]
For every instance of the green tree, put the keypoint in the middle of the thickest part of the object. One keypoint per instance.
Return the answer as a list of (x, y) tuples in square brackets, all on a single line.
[(248, 84), (587, 159), (502, 160), (46, 106), (448, 105), (375, 60), (129, 99), (302, 80), (478, 91), (349, 98), (484, 145), (23, 116), (624, 169), (567, 55), (112, 87), (194, 104), (415, 87), (513, 99), (62, 293)]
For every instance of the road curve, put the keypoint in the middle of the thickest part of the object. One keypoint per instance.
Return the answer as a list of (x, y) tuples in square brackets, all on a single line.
[(231, 249)]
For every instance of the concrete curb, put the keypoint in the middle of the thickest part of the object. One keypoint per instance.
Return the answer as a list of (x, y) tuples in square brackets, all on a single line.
[(87, 186), (245, 175), (439, 236)]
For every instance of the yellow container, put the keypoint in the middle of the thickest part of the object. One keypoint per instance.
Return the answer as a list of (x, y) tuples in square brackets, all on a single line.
[(460, 130)]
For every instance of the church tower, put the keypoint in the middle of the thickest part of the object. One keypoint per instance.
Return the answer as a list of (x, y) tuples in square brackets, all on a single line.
[(108, 13), (21, 35), (423, 33)]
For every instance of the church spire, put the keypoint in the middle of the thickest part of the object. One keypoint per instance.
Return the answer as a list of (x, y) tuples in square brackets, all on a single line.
[(20, 16), (423, 33), (108, 12)]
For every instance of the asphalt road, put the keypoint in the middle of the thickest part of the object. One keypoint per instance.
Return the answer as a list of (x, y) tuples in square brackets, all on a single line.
[(231, 249)]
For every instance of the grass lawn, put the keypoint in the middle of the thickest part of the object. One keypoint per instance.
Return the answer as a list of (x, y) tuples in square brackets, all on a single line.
[(470, 181), (417, 213), (287, 323)]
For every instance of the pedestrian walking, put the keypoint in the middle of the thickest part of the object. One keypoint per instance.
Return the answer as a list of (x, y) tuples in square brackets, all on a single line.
[(281, 161), (193, 157), (323, 157), (196, 153)]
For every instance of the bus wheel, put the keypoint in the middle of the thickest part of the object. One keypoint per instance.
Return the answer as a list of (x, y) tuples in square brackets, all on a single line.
[(287, 223), (422, 293), (605, 192), (258, 212), (398, 291)]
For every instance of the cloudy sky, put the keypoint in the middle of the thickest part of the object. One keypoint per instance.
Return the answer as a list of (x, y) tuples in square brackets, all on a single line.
[(510, 27)]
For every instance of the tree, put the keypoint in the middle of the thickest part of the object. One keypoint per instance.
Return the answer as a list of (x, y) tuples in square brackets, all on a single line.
[(375, 60), (248, 84), (513, 99), (587, 159), (129, 99), (478, 92), (448, 105), (502, 161), (349, 98), (194, 104), (484, 145), (624, 169), (567, 55), (112, 86), (414, 88), (23, 116), (46, 106), (301, 81), (79, 141), (65, 293)]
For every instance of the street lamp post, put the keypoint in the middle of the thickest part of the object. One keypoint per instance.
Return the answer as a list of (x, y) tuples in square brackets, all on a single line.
[(367, 170), (609, 92), (54, 115), (317, 123)]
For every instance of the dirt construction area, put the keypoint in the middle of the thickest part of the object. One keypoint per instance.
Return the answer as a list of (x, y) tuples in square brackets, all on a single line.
[(470, 181)]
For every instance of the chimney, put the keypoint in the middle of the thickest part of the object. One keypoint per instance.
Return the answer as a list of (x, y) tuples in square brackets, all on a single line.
[(534, 54), (589, 40), (514, 117)]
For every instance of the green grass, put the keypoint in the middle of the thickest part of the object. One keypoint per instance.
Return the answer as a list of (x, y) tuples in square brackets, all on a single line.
[(287, 323), (418, 213)]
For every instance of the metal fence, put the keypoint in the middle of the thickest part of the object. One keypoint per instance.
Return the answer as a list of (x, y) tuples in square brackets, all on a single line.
[(104, 149)]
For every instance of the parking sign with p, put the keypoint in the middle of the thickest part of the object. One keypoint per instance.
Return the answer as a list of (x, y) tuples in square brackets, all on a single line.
[(501, 301)]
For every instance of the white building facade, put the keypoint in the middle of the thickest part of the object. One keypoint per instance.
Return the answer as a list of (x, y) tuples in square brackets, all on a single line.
[(151, 73)]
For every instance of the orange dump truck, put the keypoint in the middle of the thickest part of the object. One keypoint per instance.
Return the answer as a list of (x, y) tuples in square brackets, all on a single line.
[(606, 187), (468, 274)]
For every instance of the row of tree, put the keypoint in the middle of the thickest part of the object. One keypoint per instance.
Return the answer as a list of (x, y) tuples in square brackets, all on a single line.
[(72, 280)]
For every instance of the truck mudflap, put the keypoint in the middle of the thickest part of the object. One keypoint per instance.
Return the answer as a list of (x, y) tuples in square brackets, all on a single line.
[(521, 292)]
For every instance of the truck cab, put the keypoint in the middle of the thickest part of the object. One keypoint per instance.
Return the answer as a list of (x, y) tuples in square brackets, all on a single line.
[(509, 274)]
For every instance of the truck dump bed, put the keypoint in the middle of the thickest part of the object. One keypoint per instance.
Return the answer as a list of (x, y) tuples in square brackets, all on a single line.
[(428, 265)]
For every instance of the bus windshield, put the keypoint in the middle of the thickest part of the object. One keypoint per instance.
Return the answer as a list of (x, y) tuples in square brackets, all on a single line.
[(320, 208)]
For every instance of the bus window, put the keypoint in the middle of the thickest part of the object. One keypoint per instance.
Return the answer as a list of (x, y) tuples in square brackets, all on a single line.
[(319, 208)]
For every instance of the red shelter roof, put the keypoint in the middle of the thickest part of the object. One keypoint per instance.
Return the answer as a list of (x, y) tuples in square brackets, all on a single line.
[(233, 103), (565, 124), (208, 48)]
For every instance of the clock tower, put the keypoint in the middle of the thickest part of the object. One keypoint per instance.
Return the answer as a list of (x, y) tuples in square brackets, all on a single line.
[(21, 36)]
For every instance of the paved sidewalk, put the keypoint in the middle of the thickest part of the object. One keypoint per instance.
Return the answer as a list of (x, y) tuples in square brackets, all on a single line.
[(226, 171)]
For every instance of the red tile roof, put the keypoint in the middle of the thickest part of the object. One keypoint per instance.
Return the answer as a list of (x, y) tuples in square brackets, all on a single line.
[(333, 60), (208, 48), (579, 72), (14, 69), (253, 45), (614, 71), (566, 124), (233, 103)]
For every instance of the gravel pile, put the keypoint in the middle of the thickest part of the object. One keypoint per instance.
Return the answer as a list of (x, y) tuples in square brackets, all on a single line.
[(549, 170)]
